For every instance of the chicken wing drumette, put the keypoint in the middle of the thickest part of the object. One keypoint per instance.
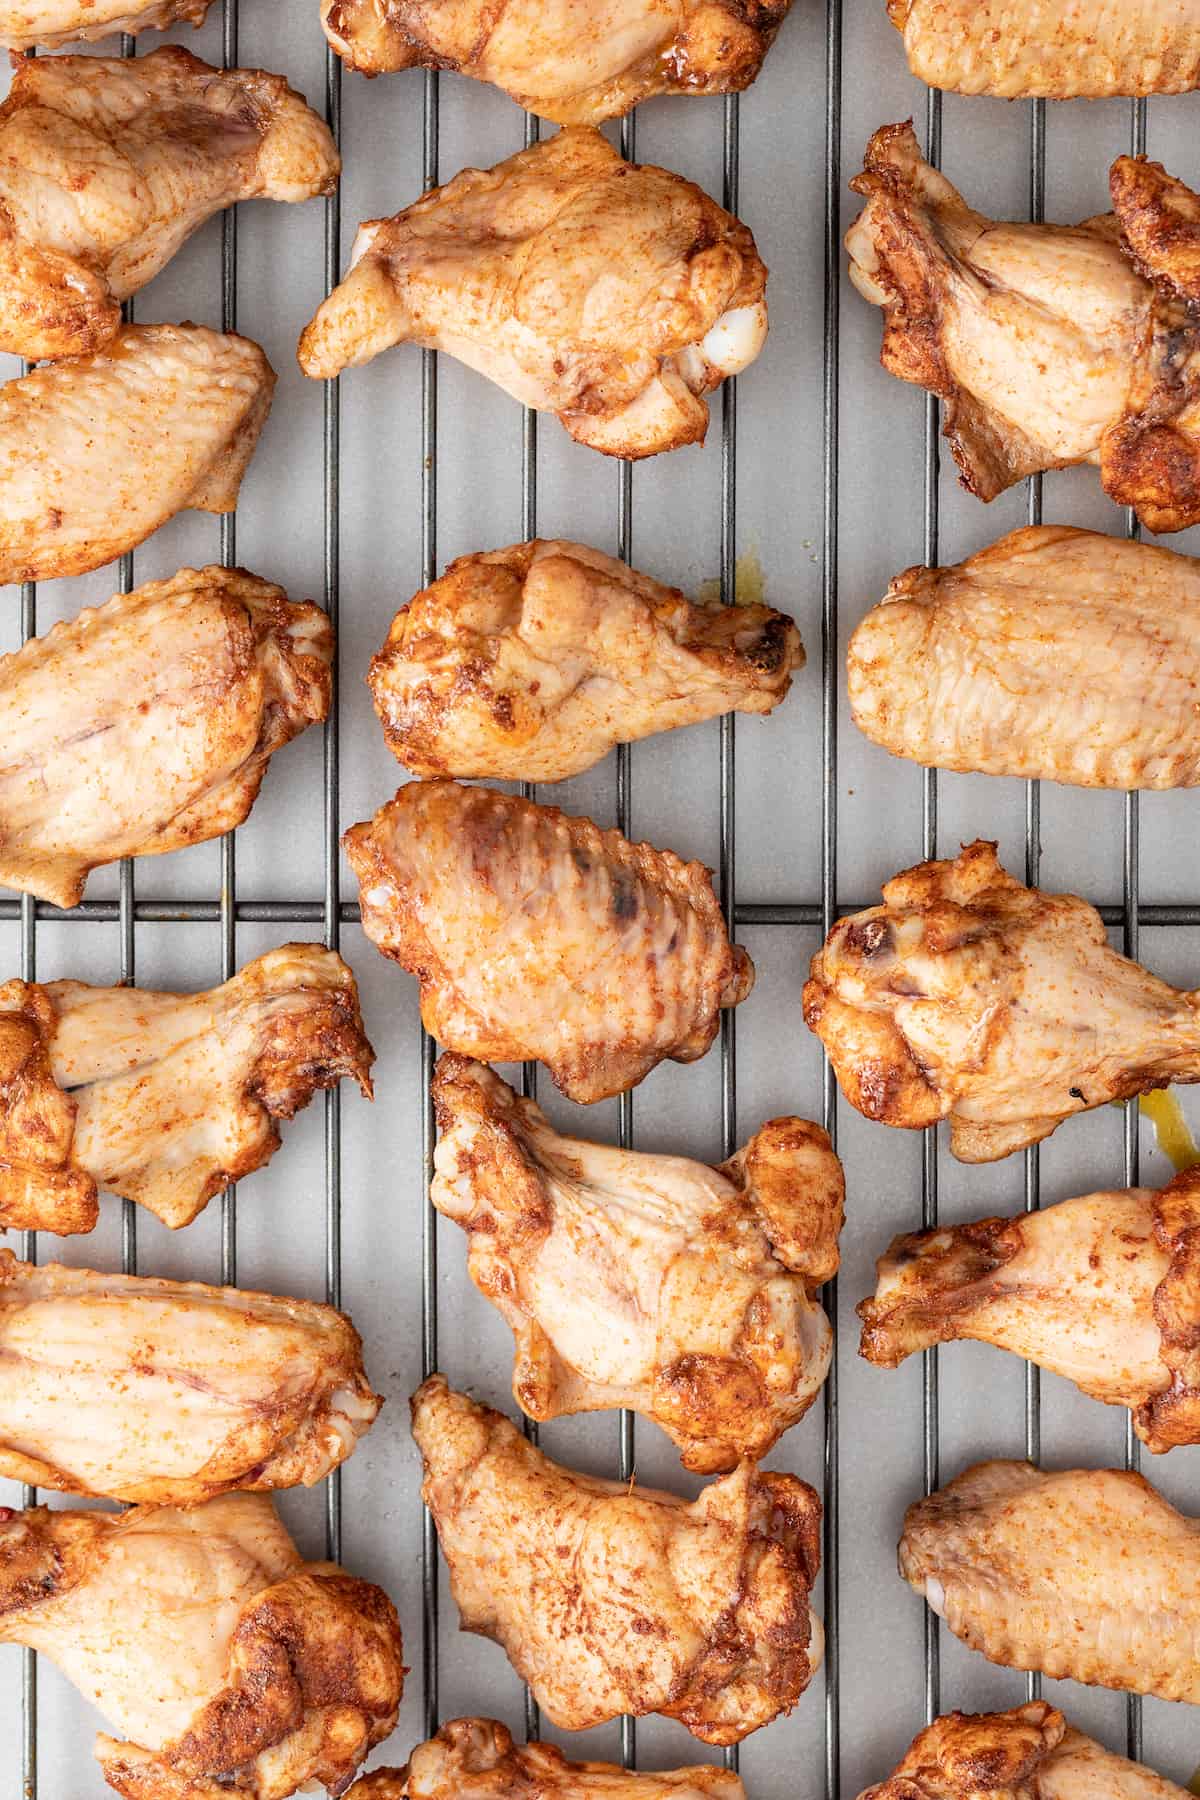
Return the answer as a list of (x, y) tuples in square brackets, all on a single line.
[(46, 24), (531, 663), (107, 165), (652, 1282), (969, 997), (575, 68), (538, 935), (222, 1659), (612, 294), (609, 1598), (164, 1098)]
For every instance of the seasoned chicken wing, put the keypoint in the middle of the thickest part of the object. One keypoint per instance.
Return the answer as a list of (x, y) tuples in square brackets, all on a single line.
[(1088, 1574), (529, 664), (652, 1282), (222, 1659), (1056, 654), (538, 935), (45, 24), (218, 669), (164, 1098), (969, 997), (576, 64), (1104, 1290), (170, 1391), (612, 294), (1048, 344), (609, 1598), (1030, 1753), (98, 451), (108, 165)]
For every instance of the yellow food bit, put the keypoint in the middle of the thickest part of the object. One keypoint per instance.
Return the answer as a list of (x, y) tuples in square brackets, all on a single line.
[(748, 584), (1176, 1142), (1193, 1786)]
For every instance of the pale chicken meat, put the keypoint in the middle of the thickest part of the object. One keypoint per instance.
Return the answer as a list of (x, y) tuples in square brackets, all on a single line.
[(1047, 344), (609, 1598), (536, 935), (96, 452), (1104, 1289), (969, 997), (531, 663), (1055, 654), (685, 1293), (47, 24), (108, 165), (134, 1388), (1030, 1753), (1087, 1573), (222, 1660), (218, 670), (574, 61), (164, 1098), (612, 294)]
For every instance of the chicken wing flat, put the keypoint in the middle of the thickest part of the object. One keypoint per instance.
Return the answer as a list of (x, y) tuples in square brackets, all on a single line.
[(612, 294), (164, 1098), (531, 663), (98, 451), (170, 1391), (107, 166), (1056, 654), (46, 24), (614, 1599), (969, 997), (574, 66), (1088, 1573), (1048, 344), (1030, 1753), (535, 935), (651, 1282), (221, 1658), (218, 670)]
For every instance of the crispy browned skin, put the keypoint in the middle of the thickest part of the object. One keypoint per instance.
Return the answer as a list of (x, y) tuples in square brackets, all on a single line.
[(218, 670), (1049, 345), (538, 935), (651, 1282), (1087, 1573), (1030, 1753), (531, 663), (967, 996), (615, 295), (164, 1098), (610, 1598), (219, 1655), (46, 24), (574, 63)]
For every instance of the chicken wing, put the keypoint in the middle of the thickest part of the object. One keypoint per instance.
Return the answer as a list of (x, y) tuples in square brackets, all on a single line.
[(98, 451), (970, 997), (46, 24), (107, 166), (1049, 345), (223, 1659), (530, 664), (170, 1391), (652, 1282), (538, 935), (612, 294), (1030, 1753), (576, 65), (218, 670), (1088, 1574), (164, 1098), (613, 1599), (1058, 655)]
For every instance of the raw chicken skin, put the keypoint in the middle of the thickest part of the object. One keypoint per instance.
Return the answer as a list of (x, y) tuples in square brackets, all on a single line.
[(651, 1282), (535, 935), (218, 670), (46, 24), (169, 1391), (531, 663), (609, 1598), (613, 294)]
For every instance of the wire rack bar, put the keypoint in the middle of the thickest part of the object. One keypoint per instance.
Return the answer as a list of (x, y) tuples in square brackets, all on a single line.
[(228, 919)]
